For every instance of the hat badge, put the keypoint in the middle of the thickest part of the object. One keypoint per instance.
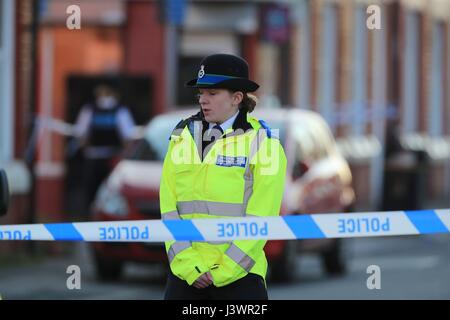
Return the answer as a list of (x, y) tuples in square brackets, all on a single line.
[(201, 73)]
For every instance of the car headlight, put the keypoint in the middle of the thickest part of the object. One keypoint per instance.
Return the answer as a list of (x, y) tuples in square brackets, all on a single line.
[(110, 201)]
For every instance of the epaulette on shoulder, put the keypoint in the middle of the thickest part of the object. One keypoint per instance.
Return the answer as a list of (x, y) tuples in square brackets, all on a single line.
[(266, 127), (183, 123), (179, 127)]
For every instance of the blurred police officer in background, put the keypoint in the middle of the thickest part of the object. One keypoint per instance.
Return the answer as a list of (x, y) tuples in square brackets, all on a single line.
[(102, 128)]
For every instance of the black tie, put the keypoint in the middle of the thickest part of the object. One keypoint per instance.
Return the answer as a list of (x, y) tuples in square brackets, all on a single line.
[(211, 135)]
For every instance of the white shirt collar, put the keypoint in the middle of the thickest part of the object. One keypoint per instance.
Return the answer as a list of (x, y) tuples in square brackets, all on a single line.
[(227, 124)]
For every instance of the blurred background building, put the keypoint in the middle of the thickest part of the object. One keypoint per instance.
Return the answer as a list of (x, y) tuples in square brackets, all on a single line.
[(311, 54)]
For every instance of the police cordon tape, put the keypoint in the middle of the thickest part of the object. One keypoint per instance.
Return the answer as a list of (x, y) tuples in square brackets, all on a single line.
[(330, 225)]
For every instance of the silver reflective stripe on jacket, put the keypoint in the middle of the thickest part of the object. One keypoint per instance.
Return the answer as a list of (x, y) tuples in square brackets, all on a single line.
[(212, 208), (248, 175), (198, 138), (176, 248), (240, 257), (171, 215), (219, 242)]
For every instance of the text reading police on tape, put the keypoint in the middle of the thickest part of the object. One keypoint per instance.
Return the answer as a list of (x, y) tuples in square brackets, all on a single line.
[(15, 235), (357, 225), (124, 233), (242, 229)]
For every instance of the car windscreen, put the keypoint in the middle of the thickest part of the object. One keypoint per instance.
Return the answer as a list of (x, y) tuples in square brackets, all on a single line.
[(153, 146)]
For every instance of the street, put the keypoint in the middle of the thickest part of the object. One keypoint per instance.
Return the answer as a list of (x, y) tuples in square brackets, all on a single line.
[(411, 267)]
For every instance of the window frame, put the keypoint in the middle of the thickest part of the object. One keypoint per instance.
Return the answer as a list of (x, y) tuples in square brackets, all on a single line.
[(7, 78)]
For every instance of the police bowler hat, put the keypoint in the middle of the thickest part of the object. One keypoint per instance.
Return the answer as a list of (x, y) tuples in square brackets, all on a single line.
[(223, 71)]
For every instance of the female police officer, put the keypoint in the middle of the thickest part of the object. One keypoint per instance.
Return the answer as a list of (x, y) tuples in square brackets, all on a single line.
[(221, 162)]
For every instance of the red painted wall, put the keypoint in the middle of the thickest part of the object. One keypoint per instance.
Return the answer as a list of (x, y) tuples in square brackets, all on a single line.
[(144, 47)]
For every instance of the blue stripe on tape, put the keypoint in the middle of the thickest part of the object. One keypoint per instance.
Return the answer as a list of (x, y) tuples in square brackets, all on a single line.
[(426, 221), (64, 231), (304, 227), (183, 230)]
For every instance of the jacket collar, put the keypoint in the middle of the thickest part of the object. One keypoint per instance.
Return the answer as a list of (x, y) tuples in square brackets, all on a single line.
[(240, 124)]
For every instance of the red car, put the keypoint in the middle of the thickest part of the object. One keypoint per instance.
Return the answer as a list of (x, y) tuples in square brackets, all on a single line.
[(318, 181)]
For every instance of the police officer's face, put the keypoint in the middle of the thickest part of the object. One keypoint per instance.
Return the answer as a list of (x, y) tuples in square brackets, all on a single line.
[(219, 105)]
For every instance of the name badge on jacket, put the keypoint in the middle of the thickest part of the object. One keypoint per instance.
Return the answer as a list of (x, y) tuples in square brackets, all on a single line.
[(225, 161)]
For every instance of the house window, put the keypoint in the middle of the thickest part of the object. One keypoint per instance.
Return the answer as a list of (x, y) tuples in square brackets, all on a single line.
[(328, 65), (6, 79), (359, 93), (1, 28), (410, 74), (187, 69), (303, 86), (436, 90)]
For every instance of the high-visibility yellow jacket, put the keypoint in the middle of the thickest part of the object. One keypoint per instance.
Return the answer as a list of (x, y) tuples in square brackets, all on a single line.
[(242, 174)]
